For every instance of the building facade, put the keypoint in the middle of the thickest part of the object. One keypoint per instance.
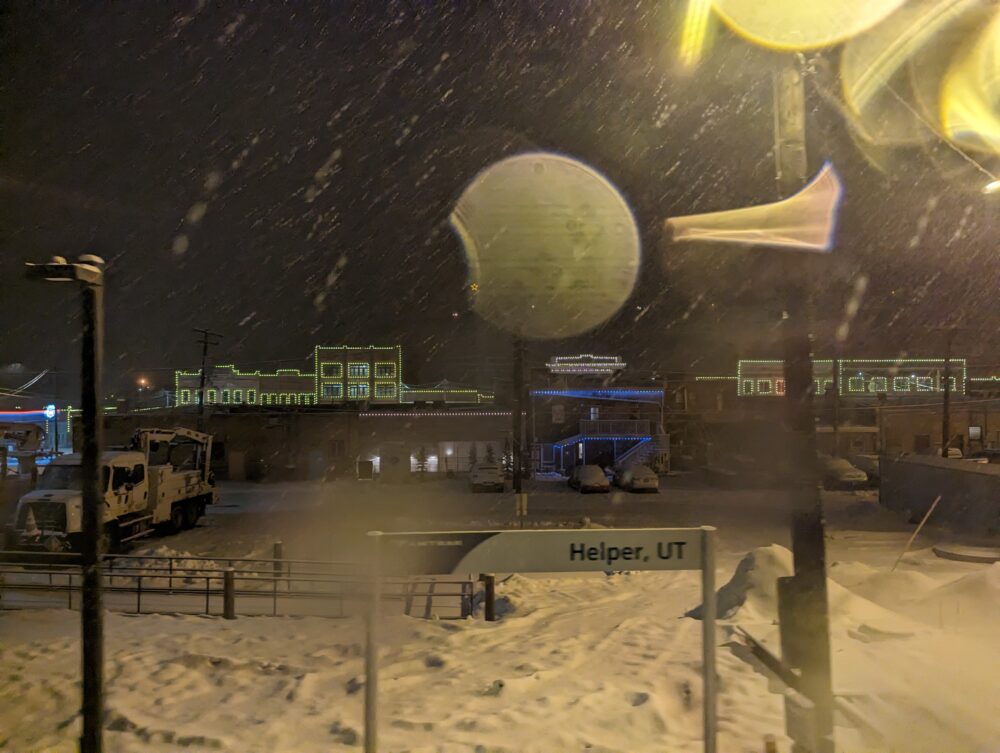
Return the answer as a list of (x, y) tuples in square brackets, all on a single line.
[(341, 375)]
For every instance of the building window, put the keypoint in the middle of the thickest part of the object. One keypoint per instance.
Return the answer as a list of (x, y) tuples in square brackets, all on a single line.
[(213, 396), (357, 371), (357, 391), (185, 396), (332, 370), (334, 391), (385, 391), (385, 371), (225, 397), (251, 396), (237, 396)]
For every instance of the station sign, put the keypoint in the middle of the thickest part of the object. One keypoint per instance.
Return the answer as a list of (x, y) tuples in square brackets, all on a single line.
[(545, 551)]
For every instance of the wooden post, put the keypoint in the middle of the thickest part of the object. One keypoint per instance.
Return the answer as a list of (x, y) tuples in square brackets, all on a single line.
[(229, 594), (489, 603), (279, 554)]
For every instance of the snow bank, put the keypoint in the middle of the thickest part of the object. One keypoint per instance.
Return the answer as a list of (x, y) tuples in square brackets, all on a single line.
[(581, 663), (751, 595)]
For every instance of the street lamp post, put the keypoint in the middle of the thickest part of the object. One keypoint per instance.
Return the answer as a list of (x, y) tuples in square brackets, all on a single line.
[(88, 271)]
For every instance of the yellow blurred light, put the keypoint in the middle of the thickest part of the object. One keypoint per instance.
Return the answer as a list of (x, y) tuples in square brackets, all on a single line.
[(551, 243), (695, 31), (970, 94), (873, 69), (992, 187), (802, 24), (806, 221)]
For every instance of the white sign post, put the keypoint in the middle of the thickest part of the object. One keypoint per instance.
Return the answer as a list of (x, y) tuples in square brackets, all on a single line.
[(546, 551)]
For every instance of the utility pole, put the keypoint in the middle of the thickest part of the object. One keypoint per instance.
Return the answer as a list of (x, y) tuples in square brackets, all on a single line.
[(946, 405), (836, 401), (55, 419), (207, 338), (803, 605), (518, 410)]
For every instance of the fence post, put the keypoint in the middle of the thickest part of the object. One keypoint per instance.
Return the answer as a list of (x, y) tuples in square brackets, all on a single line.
[(69, 590), (207, 608), (279, 554), (229, 594), (170, 571), (490, 586), (138, 597), (274, 599)]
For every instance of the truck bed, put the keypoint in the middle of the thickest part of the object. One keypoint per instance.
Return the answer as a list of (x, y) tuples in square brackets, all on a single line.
[(167, 486)]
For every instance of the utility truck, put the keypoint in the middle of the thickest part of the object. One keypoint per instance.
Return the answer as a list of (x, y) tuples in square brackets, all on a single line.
[(161, 481)]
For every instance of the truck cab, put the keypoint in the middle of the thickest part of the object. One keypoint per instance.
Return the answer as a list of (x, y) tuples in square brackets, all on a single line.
[(137, 496)]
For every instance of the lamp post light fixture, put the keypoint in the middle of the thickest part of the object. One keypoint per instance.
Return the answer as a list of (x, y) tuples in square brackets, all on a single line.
[(88, 272)]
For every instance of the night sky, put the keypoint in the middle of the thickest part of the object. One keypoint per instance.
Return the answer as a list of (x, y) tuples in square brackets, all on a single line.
[(283, 173)]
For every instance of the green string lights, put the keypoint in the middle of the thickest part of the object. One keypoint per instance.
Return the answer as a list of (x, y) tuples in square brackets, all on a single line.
[(341, 373), (857, 377)]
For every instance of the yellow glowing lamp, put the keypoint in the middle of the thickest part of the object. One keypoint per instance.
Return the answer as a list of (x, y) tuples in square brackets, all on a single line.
[(802, 24), (970, 94)]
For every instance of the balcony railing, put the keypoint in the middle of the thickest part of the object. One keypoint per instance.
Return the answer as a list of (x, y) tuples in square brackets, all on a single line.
[(616, 427)]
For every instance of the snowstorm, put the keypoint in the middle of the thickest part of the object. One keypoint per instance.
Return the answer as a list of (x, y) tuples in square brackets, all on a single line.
[(501, 375)]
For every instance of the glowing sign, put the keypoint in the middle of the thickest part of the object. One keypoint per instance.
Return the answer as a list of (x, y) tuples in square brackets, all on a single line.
[(585, 364), (901, 377), (50, 411)]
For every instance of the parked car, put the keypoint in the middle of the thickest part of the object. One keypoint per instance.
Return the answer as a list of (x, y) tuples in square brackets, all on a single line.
[(589, 478), (840, 474), (989, 455), (637, 478), (486, 477)]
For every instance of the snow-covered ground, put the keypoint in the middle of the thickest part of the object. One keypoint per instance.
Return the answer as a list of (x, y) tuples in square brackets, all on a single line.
[(597, 663)]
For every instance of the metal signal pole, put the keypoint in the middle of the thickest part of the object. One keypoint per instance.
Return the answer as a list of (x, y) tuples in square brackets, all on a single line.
[(518, 411), (803, 604)]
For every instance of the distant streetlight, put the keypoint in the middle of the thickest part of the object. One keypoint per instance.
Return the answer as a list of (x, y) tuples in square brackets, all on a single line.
[(992, 187), (88, 271), (143, 383)]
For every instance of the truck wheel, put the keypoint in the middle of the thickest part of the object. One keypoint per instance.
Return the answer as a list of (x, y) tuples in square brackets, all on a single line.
[(190, 514), (113, 538), (177, 518)]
